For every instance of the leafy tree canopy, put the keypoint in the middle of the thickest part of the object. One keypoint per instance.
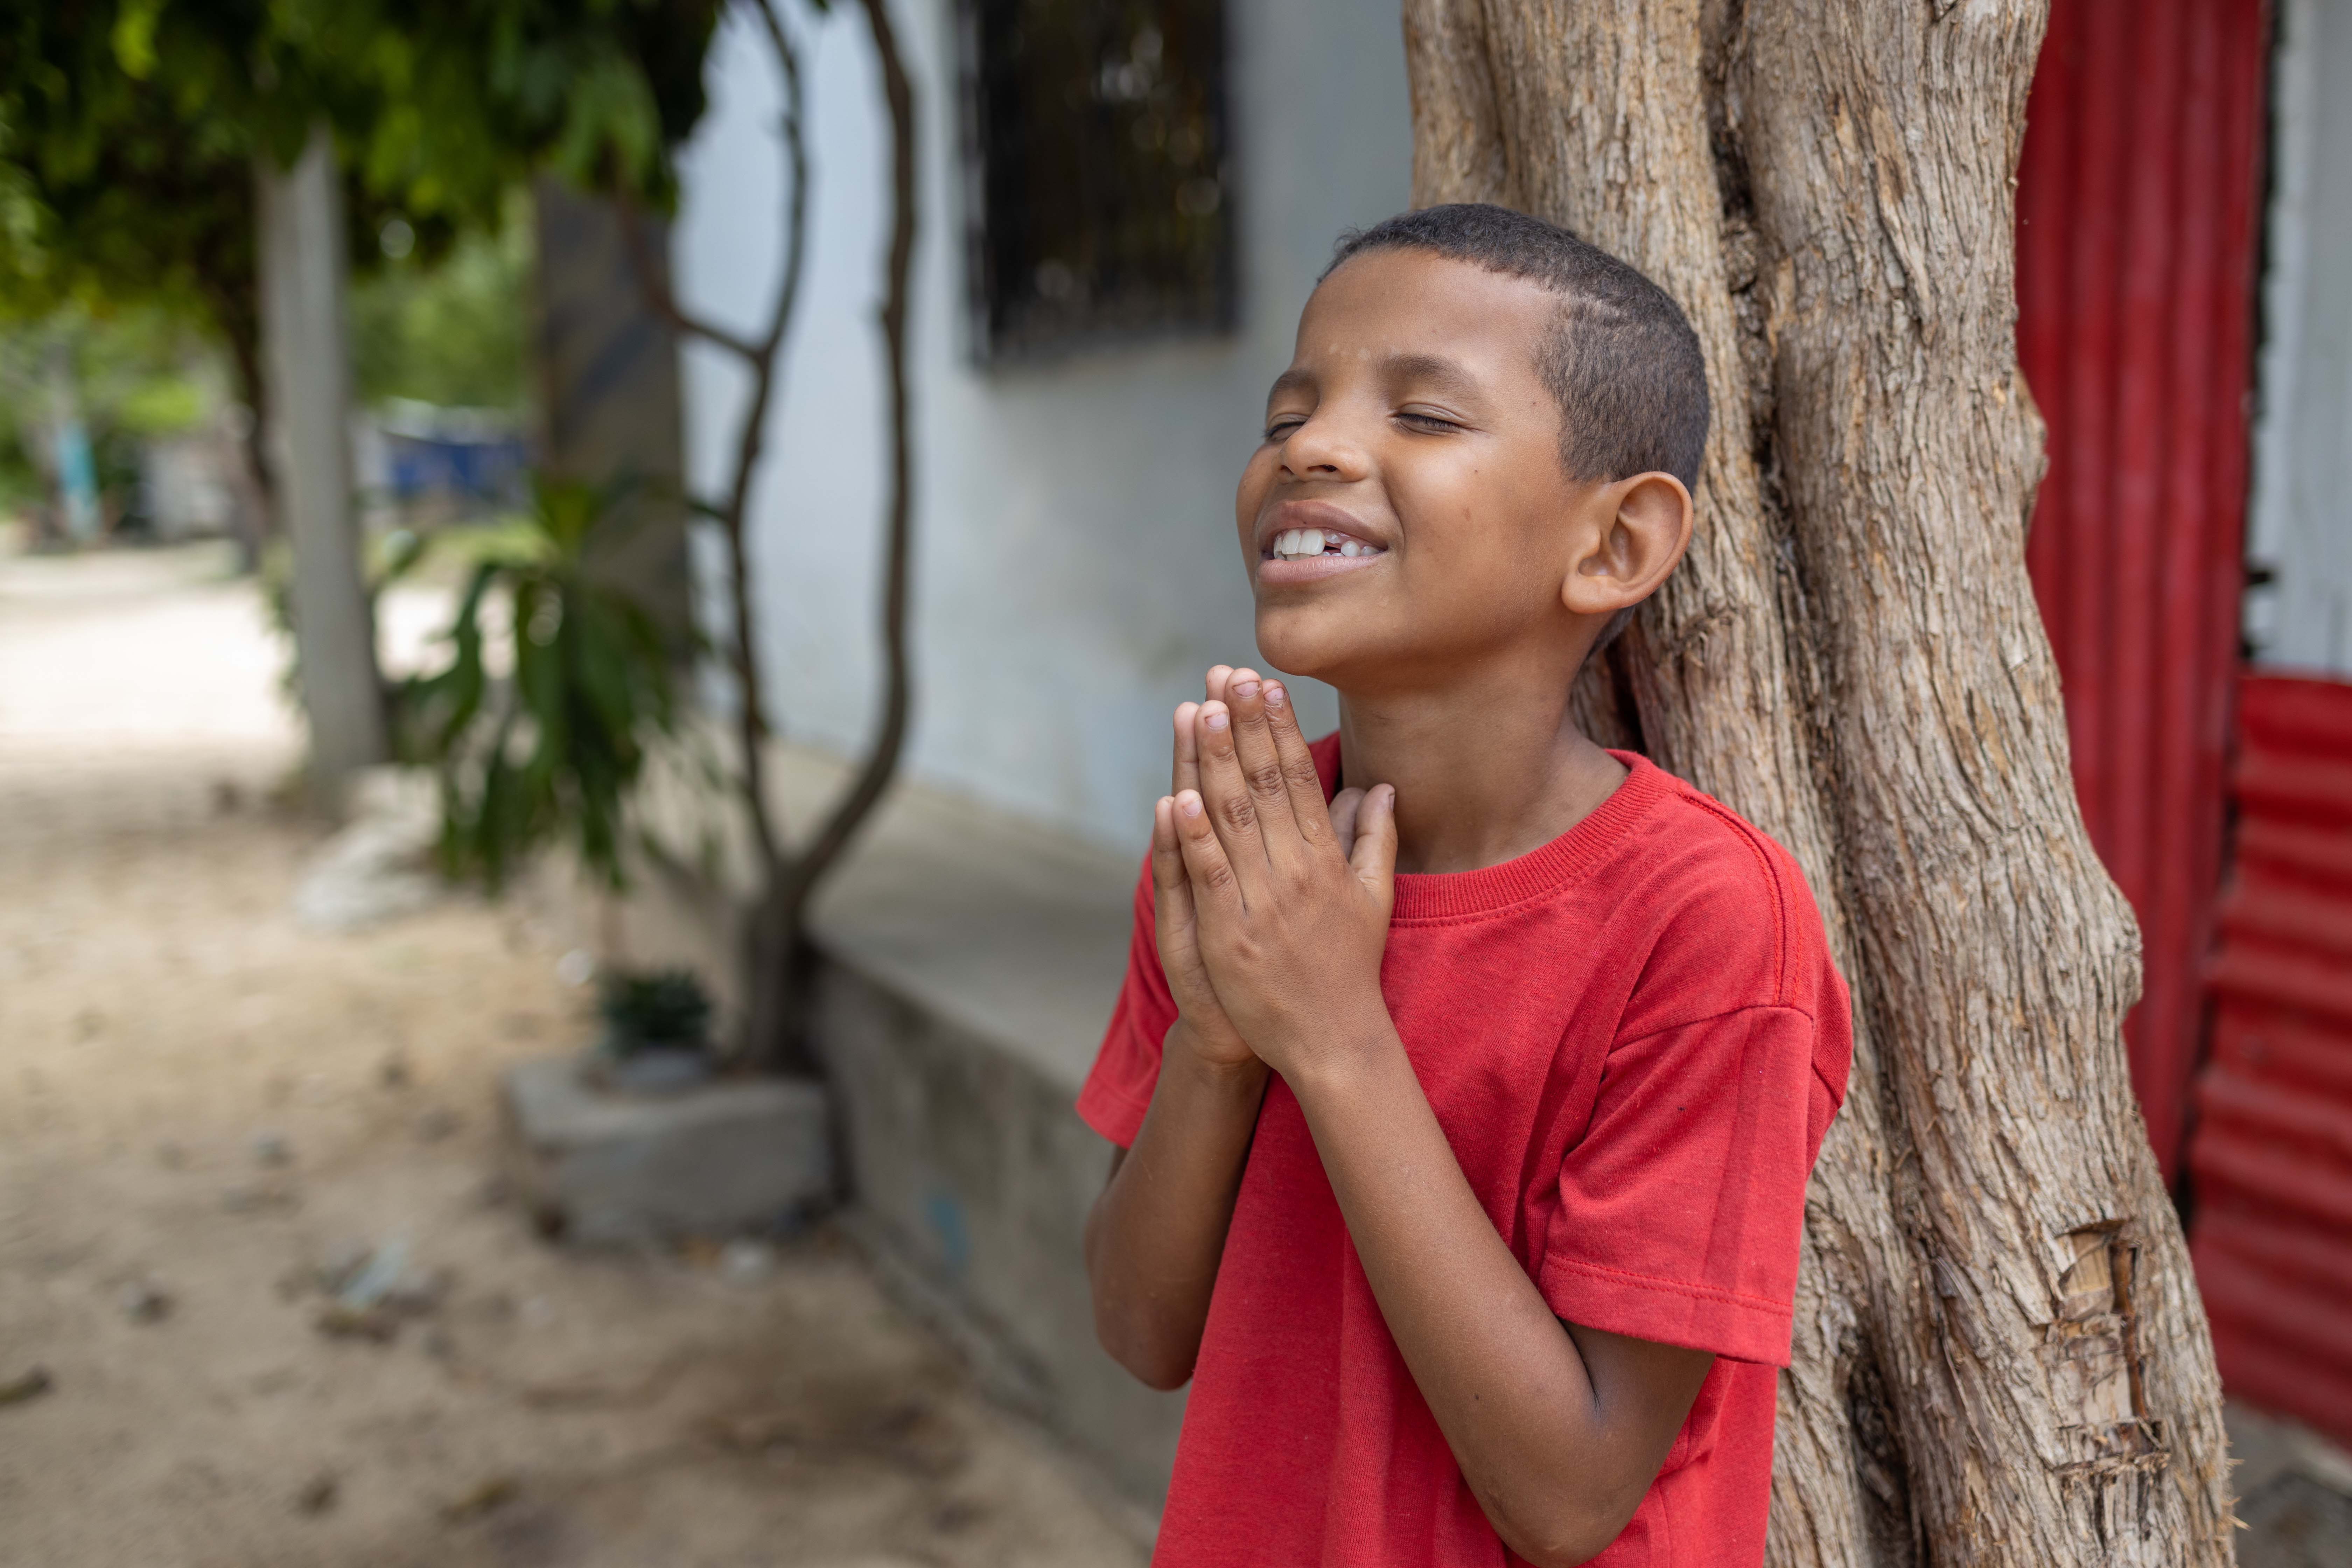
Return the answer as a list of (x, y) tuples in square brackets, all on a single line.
[(453, 332), (129, 128)]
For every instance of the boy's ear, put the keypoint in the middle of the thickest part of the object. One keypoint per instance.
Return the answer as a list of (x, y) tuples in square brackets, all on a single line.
[(1640, 526)]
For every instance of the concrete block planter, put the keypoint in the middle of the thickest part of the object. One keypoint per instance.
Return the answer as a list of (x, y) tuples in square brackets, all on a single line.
[(606, 1167)]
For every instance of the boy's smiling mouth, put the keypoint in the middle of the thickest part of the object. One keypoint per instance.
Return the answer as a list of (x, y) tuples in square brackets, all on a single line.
[(1302, 541), (1306, 544)]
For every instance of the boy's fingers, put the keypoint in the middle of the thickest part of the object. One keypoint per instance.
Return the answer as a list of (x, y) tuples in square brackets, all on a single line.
[(1303, 784), (1188, 715), (1167, 855), (1213, 887), (1172, 887), (1223, 678), (1185, 772), (1232, 812), (1373, 858), (1261, 765), (1344, 809)]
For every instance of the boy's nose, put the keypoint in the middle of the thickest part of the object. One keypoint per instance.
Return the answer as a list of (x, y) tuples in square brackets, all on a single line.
[(1317, 450)]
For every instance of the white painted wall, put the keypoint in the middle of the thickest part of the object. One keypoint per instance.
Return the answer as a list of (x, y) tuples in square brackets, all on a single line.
[(2300, 523), (1075, 565)]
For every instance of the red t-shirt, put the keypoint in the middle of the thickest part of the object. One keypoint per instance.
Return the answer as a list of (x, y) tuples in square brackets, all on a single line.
[(1633, 1039)]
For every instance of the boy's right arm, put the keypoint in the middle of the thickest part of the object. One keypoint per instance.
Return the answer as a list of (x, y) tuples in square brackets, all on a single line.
[(1158, 1229)]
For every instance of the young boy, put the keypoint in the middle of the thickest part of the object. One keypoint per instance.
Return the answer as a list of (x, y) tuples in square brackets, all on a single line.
[(1465, 1113)]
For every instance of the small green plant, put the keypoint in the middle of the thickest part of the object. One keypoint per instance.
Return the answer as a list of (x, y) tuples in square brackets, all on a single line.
[(540, 725), (667, 1010)]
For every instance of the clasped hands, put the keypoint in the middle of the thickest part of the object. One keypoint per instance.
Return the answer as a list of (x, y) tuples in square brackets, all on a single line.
[(1272, 908)]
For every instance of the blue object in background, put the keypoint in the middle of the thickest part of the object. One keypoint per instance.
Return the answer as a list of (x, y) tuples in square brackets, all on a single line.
[(486, 470), (77, 478), (464, 454), (945, 1215)]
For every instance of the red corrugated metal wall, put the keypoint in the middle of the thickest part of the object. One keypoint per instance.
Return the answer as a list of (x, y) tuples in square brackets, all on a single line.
[(2137, 200), (2272, 1163)]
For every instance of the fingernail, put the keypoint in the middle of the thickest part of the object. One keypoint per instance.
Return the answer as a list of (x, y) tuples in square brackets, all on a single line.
[(1244, 688), (1216, 720), (1272, 695), (1188, 803)]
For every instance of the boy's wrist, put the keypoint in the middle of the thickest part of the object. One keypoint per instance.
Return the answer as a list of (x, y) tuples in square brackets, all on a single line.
[(1344, 1058), (1180, 1053)]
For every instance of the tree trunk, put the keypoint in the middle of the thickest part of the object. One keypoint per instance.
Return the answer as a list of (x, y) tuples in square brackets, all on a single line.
[(608, 411), (1999, 1354), (302, 267), (235, 302)]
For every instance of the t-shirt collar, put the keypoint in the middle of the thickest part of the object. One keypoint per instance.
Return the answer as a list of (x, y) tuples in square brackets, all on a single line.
[(1540, 872)]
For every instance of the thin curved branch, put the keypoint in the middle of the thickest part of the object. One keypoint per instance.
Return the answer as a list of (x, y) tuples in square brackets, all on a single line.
[(842, 823), (762, 356), (655, 286), (752, 440), (794, 126)]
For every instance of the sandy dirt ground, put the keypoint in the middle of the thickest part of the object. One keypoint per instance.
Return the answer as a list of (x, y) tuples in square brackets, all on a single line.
[(205, 1110)]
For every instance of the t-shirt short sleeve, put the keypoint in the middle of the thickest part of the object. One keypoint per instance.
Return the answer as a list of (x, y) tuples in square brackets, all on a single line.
[(1126, 1070), (1680, 1206)]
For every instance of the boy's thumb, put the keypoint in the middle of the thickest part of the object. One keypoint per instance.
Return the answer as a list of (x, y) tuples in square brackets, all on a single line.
[(1373, 858)]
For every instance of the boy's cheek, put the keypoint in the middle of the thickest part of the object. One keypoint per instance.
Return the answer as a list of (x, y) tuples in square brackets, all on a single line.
[(1250, 496)]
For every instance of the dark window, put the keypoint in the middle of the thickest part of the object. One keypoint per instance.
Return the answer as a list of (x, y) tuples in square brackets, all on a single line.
[(1096, 136)]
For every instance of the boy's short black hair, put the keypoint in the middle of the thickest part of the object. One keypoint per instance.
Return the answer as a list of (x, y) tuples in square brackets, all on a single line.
[(1622, 359)]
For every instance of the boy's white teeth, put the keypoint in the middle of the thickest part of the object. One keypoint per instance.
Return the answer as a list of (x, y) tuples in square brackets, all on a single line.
[(1302, 544)]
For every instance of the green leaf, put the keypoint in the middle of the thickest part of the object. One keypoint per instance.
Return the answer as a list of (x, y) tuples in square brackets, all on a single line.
[(134, 37)]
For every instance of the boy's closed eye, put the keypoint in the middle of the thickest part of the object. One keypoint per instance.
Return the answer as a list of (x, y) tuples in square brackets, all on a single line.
[(1419, 420)]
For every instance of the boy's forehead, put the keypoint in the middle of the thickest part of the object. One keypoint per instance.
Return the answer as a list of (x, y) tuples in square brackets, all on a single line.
[(1417, 306)]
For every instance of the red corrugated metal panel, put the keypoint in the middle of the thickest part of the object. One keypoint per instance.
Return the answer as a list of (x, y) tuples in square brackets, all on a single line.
[(2138, 197), (2271, 1161)]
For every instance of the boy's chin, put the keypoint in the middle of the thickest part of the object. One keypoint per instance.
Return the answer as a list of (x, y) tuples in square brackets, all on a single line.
[(1315, 647)]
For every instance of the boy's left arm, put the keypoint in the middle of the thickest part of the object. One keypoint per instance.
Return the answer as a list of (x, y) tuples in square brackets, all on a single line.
[(1560, 1429)]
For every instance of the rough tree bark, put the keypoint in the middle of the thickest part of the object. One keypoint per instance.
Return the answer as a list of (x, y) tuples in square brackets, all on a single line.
[(2000, 1357)]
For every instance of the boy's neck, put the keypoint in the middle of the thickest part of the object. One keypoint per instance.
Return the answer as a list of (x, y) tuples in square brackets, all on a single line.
[(1486, 769)]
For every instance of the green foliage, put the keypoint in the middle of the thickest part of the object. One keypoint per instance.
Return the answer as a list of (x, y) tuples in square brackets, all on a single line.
[(163, 405), (664, 1010), (129, 129), (121, 140), (451, 333), (538, 725), (20, 474)]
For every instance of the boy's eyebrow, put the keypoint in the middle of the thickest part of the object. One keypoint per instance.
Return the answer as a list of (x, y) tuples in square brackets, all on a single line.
[(1448, 375), (1291, 380)]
